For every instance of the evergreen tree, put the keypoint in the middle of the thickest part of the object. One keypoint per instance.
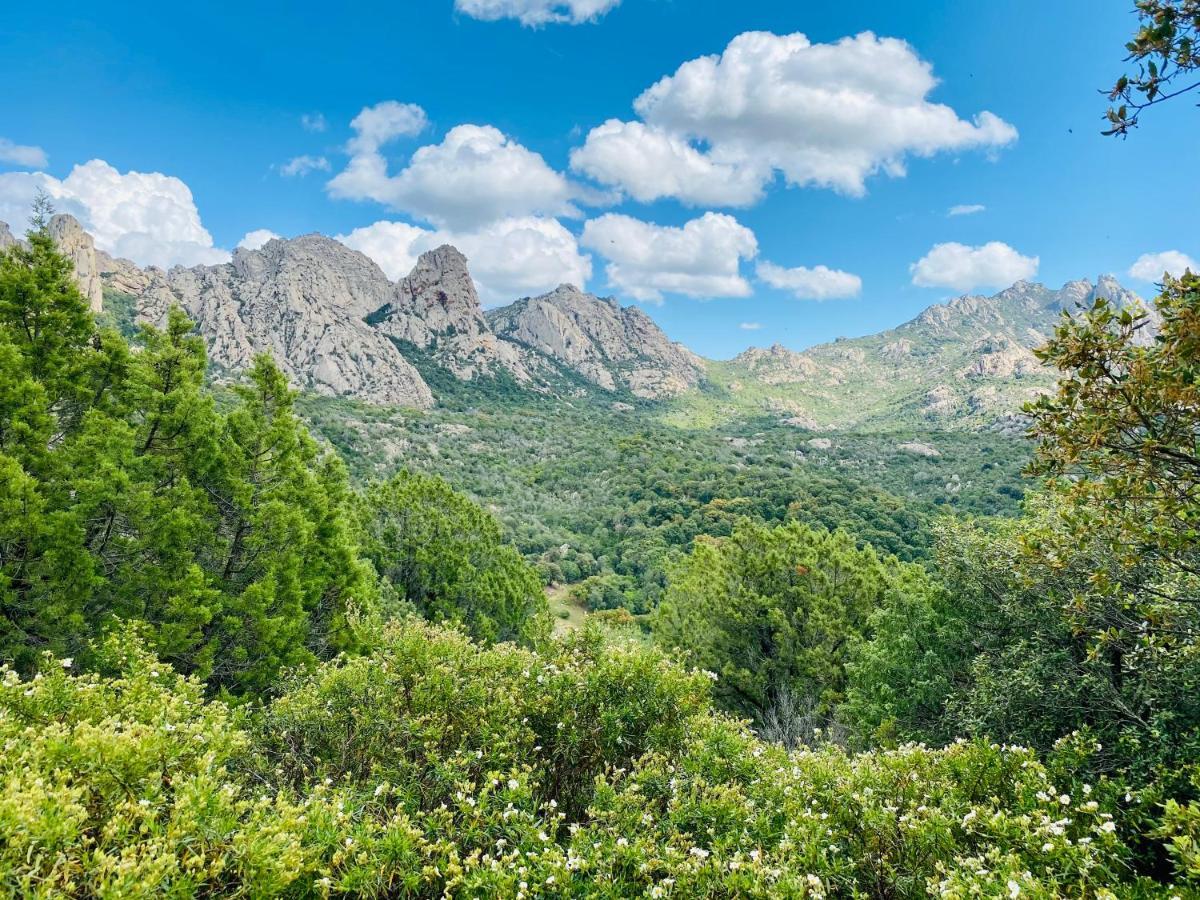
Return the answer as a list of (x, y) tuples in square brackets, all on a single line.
[(774, 611), (446, 556), (126, 493)]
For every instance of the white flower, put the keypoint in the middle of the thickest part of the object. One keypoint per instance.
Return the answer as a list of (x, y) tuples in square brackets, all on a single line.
[(1065, 799), (699, 852), (1109, 827), (1014, 889), (968, 817), (513, 784), (67, 661), (621, 842)]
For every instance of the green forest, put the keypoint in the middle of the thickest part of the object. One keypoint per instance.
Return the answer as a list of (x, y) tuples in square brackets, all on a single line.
[(241, 659), (261, 643)]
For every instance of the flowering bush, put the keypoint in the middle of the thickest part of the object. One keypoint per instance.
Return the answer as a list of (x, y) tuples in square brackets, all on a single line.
[(437, 767)]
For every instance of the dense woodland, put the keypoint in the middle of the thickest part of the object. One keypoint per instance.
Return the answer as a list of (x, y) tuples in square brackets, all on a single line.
[(842, 668)]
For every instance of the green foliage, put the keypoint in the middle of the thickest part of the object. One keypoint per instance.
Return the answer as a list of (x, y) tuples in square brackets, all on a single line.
[(1006, 648), (1120, 433), (446, 556), (127, 494), (1166, 49), (586, 491), (435, 767), (121, 787), (774, 612)]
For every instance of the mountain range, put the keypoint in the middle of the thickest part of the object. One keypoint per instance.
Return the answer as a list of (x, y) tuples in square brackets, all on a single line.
[(339, 327)]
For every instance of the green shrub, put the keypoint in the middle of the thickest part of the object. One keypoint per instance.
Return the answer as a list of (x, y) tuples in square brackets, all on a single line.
[(437, 767)]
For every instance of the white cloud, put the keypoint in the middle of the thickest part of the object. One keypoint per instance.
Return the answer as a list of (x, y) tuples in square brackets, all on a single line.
[(750, 326), (965, 268), (826, 115), (965, 209), (1152, 266), (394, 246), (701, 259), (376, 125), (302, 165), (818, 283), (255, 239), (148, 217), (313, 122), (509, 258), (536, 12), (476, 175), (647, 164), (24, 155)]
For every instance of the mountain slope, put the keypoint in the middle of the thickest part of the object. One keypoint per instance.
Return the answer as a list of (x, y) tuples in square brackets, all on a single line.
[(966, 363), (339, 327), (611, 346)]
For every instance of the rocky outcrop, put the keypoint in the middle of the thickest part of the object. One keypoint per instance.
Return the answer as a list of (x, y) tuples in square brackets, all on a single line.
[(77, 245), (304, 301), (436, 308), (777, 364), (609, 345), (997, 356)]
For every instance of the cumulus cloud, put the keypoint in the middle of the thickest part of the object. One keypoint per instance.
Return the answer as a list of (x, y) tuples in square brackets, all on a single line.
[(508, 258), (376, 125), (701, 259), (818, 283), (475, 176), (750, 326), (536, 12), (647, 164), (147, 217), (825, 115), (255, 239), (313, 122), (965, 209), (23, 155), (394, 246), (1152, 266), (302, 165), (964, 268)]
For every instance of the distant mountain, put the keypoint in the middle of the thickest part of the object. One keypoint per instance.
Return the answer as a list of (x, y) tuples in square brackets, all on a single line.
[(967, 362), (612, 346), (339, 327)]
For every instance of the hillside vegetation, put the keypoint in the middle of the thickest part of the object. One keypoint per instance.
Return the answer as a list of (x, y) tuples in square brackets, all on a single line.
[(235, 663)]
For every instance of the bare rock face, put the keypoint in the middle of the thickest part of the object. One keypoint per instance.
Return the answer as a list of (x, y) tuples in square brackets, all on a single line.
[(6, 237), (996, 356), (437, 309), (778, 365), (123, 276), (78, 246), (609, 345), (302, 300)]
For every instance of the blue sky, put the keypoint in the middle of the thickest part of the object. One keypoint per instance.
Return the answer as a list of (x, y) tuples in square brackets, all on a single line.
[(215, 99)]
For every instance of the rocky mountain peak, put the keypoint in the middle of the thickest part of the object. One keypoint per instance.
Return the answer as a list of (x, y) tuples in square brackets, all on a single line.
[(78, 246), (302, 300), (777, 364), (315, 268), (6, 237), (610, 345), (436, 308)]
